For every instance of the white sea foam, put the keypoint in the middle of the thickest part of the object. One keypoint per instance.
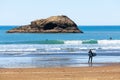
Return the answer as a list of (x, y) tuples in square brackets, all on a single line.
[(73, 42), (70, 46), (115, 42), (98, 41), (17, 50)]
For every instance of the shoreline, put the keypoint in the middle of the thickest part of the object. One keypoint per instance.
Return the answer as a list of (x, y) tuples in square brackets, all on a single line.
[(80, 65), (108, 72)]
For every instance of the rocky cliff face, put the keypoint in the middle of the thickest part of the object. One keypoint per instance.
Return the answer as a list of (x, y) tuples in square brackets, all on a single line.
[(54, 24)]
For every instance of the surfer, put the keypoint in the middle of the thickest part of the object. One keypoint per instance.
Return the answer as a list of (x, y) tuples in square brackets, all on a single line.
[(110, 38), (90, 54)]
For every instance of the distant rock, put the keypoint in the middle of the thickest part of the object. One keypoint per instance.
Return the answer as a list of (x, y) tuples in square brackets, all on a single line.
[(54, 24)]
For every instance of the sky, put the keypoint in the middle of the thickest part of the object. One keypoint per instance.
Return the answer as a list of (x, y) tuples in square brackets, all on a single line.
[(82, 12)]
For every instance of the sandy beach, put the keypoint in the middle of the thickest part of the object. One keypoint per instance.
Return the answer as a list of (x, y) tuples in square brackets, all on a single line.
[(111, 72)]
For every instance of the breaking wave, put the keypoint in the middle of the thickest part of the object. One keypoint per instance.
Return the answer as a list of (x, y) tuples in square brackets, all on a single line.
[(59, 46), (65, 42)]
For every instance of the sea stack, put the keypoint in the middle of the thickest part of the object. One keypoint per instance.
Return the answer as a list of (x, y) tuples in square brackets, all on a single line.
[(54, 24)]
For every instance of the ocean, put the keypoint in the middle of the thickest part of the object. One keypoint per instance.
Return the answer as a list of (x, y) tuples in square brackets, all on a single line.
[(31, 50)]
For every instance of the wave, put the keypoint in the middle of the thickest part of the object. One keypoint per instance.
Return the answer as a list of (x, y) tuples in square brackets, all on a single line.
[(92, 41), (59, 46), (35, 42), (116, 42)]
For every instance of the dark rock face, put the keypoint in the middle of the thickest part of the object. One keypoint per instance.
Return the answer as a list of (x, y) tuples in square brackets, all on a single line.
[(54, 24)]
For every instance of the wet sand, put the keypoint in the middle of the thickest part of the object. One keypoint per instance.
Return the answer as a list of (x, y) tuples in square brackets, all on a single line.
[(109, 72)]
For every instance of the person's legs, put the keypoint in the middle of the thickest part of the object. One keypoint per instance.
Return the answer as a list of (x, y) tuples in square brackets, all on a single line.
[(90, 61)]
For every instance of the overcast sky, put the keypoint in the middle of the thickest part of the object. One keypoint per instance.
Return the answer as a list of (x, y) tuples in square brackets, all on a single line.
[(83, 12)]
